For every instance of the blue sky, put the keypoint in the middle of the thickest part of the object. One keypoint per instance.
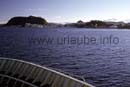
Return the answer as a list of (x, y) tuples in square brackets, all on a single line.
[(66, 10)]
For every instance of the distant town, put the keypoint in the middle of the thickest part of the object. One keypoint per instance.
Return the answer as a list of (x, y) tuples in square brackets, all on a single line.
[(39, 22)]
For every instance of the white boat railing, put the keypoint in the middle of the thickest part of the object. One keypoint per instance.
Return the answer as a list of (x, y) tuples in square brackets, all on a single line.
[(33, 75)]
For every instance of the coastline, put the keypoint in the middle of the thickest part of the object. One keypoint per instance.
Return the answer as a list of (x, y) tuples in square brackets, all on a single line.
[(39, 22)]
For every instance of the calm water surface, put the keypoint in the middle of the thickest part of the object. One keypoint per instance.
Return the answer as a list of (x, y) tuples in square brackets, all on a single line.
[(104, 63)]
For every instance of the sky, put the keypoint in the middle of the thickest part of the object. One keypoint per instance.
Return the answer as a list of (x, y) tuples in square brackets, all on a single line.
[(63, 11)]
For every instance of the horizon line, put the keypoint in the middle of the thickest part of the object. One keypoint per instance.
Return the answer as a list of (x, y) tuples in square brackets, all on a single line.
[(65, 22)]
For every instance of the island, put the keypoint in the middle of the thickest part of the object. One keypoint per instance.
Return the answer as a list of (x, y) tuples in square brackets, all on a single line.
[(33, 21), (30, 21), (99, 24)]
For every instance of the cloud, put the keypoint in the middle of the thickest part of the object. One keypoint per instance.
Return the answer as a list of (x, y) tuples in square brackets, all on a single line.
[(2, 21), (58, 17), (61, 19), (116, 20), (127, 20), (112, 19), (36, 9)]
